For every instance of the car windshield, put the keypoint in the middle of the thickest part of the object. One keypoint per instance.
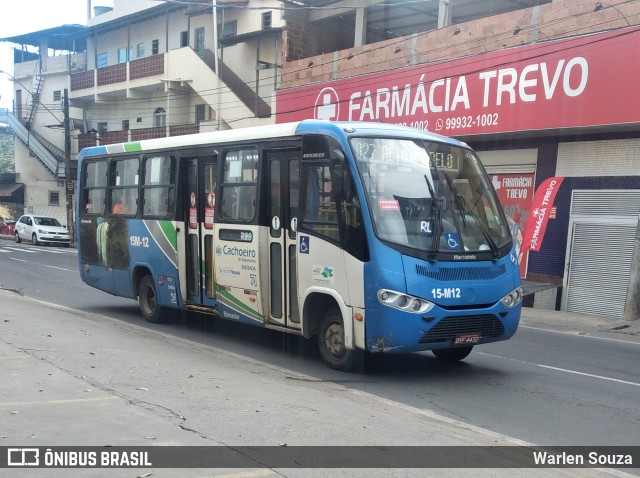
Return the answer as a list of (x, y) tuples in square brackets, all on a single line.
[(46, 221), (431, 196)]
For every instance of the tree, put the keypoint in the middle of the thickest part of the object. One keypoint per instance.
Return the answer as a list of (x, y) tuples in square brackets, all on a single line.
[(7, 152)]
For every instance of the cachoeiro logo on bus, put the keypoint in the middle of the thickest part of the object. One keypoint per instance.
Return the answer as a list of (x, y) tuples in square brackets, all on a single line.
[(235, 251)]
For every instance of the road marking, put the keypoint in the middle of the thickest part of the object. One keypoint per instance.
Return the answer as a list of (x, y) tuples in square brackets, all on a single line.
[(47, 249), (58, 402), (21, 249), (60, 268), (566, 370), (601, 377), (574, 334), (16, 259), (244, 474), (45, 265)]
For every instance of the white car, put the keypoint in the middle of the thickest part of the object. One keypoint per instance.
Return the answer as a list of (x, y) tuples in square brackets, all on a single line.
[(41, 230)]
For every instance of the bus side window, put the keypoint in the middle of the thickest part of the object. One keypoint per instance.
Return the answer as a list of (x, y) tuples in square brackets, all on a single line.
[(94, 187), (239, 186), (320, 211), (158, 188), (124, 186), (355, 238)]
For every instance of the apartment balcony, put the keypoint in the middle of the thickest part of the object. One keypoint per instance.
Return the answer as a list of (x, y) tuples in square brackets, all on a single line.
[(86, 140), (235, 102), (132, 79)]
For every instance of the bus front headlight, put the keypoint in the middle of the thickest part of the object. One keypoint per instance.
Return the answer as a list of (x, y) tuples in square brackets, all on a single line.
[(513, 298), (405, 302)]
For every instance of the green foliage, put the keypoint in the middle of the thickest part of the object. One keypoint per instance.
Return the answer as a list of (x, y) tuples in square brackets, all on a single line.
[(7, 153)]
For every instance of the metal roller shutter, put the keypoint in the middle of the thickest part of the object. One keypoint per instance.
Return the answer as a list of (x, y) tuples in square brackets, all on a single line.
[(601, 239)]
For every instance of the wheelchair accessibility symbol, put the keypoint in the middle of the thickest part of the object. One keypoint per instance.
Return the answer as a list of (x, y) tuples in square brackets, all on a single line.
[(453, 240), (304, 244)]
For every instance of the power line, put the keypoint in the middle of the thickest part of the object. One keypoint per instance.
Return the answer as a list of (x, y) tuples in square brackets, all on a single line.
[(177, 111)]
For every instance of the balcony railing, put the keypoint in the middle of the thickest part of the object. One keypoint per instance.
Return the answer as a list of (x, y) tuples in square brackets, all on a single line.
[(140, 68), (86, 140), (112, 74)]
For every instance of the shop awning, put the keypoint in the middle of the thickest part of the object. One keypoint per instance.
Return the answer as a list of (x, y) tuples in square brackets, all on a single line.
[(12, 193)]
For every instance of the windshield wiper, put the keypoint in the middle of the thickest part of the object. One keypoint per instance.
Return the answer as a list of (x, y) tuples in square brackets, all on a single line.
[(436, 217), (464, 208)]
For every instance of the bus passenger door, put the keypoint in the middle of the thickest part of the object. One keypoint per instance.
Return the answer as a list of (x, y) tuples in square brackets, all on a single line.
[(199, 204), (284, 187)]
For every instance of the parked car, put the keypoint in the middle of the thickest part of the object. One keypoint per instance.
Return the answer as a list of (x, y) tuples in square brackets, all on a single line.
[(41, 230)]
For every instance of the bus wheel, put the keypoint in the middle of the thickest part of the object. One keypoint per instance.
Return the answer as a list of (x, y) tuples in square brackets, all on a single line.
[(148, 300), (331, 342), (453, 355)]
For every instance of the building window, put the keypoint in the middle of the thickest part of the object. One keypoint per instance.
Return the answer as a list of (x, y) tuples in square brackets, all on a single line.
[(184, 39), (57, 95), (102, 126), (201, 113), (140, 49), (266, 20), (159, 117), (155, 47), (122, 55), (125, 124), (54, 198), (230, 29), (101, 60)]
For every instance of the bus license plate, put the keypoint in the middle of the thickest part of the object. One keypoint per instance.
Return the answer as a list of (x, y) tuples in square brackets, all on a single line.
[(466, 339)]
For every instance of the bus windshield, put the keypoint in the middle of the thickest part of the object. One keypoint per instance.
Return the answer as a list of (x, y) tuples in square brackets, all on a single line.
[(430, 196)]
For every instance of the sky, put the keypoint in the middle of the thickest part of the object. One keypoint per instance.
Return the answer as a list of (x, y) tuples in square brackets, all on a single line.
[(25, 16)]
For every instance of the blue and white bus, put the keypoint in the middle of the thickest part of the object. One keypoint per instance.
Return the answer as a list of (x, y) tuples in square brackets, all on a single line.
[(370, 237)]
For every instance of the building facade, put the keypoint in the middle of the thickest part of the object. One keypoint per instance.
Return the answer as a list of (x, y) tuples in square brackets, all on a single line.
[(139, 70)]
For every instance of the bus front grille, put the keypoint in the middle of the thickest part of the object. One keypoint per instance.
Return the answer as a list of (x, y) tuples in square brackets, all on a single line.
[(461, 273), (447, 329)]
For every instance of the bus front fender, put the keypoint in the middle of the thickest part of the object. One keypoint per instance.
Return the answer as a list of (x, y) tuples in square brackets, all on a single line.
[(316, 301)]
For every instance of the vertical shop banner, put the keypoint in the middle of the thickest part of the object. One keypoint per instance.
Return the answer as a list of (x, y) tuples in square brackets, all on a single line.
[(540, 211), (515, 192)]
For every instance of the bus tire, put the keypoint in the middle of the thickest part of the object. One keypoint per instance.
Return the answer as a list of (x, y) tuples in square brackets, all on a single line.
[(148, 300), (453, 355), (331, 343)]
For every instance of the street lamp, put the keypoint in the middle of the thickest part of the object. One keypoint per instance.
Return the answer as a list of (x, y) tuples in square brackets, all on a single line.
[(457, 31), (601, 6)]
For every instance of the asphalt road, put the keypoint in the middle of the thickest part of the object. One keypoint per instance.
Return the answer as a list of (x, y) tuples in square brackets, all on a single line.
[(544, 387)]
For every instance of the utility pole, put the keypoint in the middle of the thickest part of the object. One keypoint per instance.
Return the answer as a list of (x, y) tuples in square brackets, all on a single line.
[(632, 305), (68, 180)]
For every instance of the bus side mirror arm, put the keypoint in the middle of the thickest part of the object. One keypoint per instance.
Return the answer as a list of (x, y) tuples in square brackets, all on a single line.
[(340, 184)]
